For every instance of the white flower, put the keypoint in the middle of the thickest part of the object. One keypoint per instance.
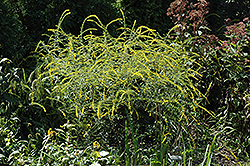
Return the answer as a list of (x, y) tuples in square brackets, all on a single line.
[(103, 153), (95, 164)]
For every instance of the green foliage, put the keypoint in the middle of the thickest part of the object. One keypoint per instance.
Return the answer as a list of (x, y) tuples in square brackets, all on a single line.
[(222, 9), (153, 13), (126, 97), (10, 34), (24, 22), (60, 148), (57, 148), (137, 78), (149, 13), (8, 80), (38, 16), (234, 71), (225, 78), (22, 110)]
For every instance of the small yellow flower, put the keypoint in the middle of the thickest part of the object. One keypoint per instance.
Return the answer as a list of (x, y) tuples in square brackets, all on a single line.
[(50, 132), (96, 145), (97, 153)]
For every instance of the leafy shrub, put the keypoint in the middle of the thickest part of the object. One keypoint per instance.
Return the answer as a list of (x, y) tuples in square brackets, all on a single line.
[(131, 93), (234, 71), (8, 76), (21, 101), (153, 13), (190, 17), (224, 68)]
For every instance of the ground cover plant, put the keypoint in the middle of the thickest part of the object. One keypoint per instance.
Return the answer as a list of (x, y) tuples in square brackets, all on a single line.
[(135, 98)]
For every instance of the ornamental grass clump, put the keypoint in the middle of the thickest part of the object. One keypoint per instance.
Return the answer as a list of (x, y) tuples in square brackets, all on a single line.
[(106, 79)]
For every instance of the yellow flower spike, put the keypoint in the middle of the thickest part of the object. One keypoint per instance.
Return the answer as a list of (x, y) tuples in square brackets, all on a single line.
[(181, 117), (102, 115), (96, 145), (165, 137), (104, 94), (186, 118), (76, 112), (165, 120), (98, 112), (137, 115), (129, 106), (192, 140), (63, 114), (93, 105)]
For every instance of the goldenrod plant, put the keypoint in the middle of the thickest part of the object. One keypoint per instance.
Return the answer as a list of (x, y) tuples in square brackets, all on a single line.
[(102, 74), (101, 77)]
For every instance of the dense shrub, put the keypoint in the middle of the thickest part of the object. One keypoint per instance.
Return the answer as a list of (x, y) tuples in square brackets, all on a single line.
[(153, 13), (149, 13), (10, 34), (234, 82)]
